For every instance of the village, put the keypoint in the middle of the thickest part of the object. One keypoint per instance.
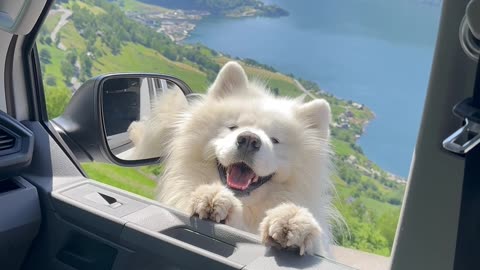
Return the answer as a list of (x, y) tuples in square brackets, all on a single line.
[(176, 24), (345, 119)]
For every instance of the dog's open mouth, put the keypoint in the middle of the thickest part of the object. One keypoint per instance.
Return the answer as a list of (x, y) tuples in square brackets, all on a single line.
[(240, 178)]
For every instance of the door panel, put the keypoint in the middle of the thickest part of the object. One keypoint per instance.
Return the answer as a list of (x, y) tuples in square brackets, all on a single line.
[(20, 211), (89, 225)]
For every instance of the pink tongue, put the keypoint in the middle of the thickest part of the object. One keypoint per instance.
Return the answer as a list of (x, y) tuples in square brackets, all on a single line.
[(239, 176)]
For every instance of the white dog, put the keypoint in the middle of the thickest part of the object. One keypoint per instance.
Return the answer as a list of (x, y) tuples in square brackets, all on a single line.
[(240, 155)]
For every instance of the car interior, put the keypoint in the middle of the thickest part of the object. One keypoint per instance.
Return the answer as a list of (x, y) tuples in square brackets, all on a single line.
[(52, 216)]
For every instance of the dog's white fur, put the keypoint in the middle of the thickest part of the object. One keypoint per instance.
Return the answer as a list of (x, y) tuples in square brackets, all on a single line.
[(294, 207)]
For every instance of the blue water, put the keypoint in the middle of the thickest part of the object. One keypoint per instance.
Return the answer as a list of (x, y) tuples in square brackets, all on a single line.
[(376, 52)]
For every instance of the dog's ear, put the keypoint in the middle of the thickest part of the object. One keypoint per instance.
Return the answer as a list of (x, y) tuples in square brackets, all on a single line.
[(231, 78), (316, 114)]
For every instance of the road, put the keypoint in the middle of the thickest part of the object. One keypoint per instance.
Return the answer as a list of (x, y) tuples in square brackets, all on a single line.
[(74, 80), (54, 35), (61, 23), (300, 86)]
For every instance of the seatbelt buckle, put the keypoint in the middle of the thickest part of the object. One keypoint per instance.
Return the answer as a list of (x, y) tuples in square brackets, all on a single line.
[(468, 136)]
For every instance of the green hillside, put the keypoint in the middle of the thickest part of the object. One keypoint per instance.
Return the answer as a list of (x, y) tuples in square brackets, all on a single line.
[(99, 38)]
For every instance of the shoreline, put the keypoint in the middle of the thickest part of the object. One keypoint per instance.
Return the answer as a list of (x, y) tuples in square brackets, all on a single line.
[(177, 24), (390, 176), (346, 125)]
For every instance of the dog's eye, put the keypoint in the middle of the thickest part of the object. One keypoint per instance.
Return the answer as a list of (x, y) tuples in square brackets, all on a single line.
[(232, 127), (274, 140)]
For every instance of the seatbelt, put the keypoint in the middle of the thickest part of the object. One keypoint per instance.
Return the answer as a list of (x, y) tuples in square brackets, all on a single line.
[(465, 142)]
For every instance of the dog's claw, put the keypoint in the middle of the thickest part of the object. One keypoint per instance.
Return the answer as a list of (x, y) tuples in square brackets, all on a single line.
[(302, 250), (290, 226), (213, 202)]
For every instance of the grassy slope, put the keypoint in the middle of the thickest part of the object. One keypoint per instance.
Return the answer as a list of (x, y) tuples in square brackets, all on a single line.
[(136, 58), (59, 93), (51, 22), (139, 7), (70, 37), (122, 178), (285, 84), (95, 10)]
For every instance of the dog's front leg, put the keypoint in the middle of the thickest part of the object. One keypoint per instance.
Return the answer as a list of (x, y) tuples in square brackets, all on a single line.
[(290, 226), (217, 203)]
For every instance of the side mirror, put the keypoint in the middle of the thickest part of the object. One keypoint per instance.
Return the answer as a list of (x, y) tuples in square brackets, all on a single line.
[(96, 122)]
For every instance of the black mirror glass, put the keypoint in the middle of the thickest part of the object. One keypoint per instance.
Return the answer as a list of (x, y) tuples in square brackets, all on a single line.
[(127, 102)]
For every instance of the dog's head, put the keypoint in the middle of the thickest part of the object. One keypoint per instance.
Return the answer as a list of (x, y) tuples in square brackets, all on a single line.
[(254, 137)]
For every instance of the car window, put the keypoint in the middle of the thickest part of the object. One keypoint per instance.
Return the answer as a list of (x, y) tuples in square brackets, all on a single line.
[(361, 56)]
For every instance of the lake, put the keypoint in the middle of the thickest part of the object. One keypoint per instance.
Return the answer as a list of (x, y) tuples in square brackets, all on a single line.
[(375, 52)]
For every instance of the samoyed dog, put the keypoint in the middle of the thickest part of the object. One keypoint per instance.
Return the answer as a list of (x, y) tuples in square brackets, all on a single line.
[(244, 157)]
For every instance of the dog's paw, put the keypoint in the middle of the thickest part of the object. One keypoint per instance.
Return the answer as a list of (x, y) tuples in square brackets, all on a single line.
[(290, 226), (213, 202)]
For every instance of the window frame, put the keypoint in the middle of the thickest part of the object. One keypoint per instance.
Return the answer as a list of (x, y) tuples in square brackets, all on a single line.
[(37, 105)]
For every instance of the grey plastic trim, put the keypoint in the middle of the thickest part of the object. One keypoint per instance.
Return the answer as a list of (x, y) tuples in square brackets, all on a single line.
[(19, 16), (50, 167), (12, 13), (291, 261), (148, 226), (137, 236), (91, 195), (52, 239), (19, 156), (20, 209), (20, 206)]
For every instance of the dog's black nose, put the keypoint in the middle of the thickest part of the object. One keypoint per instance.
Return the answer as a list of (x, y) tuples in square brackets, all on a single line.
[(248, 141)]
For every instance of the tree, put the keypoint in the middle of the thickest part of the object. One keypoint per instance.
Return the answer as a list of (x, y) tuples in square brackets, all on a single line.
[(57, 100), (67, 70), (48, 41), (57, 40), (170, 53), (51, 81), (387, 225), (45, 56), (86, 66), (115, 45), (276, 91), (72, 57)]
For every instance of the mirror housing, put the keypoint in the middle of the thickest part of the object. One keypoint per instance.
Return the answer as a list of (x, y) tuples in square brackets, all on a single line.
[(82, 125)]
